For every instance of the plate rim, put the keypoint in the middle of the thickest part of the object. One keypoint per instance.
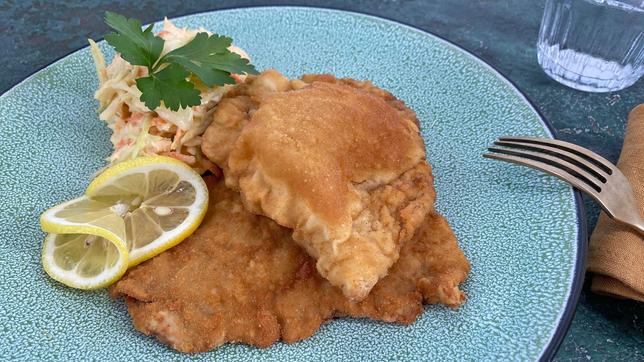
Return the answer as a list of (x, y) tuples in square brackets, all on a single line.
[(579, 268)]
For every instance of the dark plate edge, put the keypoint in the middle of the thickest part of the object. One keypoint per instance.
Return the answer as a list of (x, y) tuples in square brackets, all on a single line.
[(582, 233)]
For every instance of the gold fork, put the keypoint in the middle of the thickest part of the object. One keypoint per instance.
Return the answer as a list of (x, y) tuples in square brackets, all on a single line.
[(578, 166)]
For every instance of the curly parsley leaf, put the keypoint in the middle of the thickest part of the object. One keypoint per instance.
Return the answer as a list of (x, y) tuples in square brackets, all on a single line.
[(205, 57), (169, 85)]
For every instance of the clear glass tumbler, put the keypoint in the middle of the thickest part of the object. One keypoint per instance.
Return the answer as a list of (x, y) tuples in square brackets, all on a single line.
[(593, 45)]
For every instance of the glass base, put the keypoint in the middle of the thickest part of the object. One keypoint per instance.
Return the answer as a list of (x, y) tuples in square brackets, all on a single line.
[(585, 87), (584, 72)]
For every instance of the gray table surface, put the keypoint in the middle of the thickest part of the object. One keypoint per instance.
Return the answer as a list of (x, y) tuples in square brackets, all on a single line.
[(35, 33)]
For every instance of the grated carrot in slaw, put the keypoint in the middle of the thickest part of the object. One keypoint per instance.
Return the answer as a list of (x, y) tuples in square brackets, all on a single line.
[(139, 131)]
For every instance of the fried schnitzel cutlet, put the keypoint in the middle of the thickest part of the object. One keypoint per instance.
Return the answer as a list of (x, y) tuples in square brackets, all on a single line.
[(241, 278), (341, 162)]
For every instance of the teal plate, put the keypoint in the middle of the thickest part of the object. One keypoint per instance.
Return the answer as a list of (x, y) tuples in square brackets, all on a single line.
[(519, 228)]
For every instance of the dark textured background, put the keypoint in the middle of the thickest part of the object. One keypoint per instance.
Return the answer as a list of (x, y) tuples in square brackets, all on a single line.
[(35, 33)]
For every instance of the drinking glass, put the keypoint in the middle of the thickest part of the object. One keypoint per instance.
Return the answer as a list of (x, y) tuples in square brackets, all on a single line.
[(593, 45)]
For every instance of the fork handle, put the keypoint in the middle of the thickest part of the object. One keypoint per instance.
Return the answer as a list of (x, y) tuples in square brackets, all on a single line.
[(639, 227), (635, 225)]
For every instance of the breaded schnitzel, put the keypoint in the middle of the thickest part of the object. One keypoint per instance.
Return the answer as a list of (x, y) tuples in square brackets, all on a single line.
[(341, 162), (241, 278)]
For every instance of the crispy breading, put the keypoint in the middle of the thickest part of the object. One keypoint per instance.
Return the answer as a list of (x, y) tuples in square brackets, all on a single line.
[(241, 278), (341, 162)]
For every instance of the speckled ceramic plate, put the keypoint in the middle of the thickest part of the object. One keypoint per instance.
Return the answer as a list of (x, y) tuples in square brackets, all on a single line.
[(518, 228)]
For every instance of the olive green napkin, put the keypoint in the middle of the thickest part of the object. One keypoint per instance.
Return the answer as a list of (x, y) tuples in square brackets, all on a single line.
[(616, 254)]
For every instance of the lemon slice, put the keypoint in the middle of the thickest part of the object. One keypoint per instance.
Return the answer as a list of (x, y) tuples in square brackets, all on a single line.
[(160, 200), (85, 215), (130, 213), (86, 247), (84, 261)]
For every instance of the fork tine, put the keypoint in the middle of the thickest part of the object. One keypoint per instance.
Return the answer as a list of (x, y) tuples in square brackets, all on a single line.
[(573, 158), (541, 166), (566, 166), (598, 160)]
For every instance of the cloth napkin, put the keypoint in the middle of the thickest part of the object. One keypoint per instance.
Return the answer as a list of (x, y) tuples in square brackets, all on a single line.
[(616, 253)]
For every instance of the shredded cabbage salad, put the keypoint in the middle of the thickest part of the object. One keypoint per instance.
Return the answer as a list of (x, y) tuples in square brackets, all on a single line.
[(139, 131)]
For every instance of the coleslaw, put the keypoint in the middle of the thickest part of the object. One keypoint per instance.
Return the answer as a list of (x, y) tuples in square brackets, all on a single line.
[(139, 131)]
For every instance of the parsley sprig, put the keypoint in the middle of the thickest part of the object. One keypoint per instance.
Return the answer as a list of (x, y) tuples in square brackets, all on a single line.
[(205, 57)]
